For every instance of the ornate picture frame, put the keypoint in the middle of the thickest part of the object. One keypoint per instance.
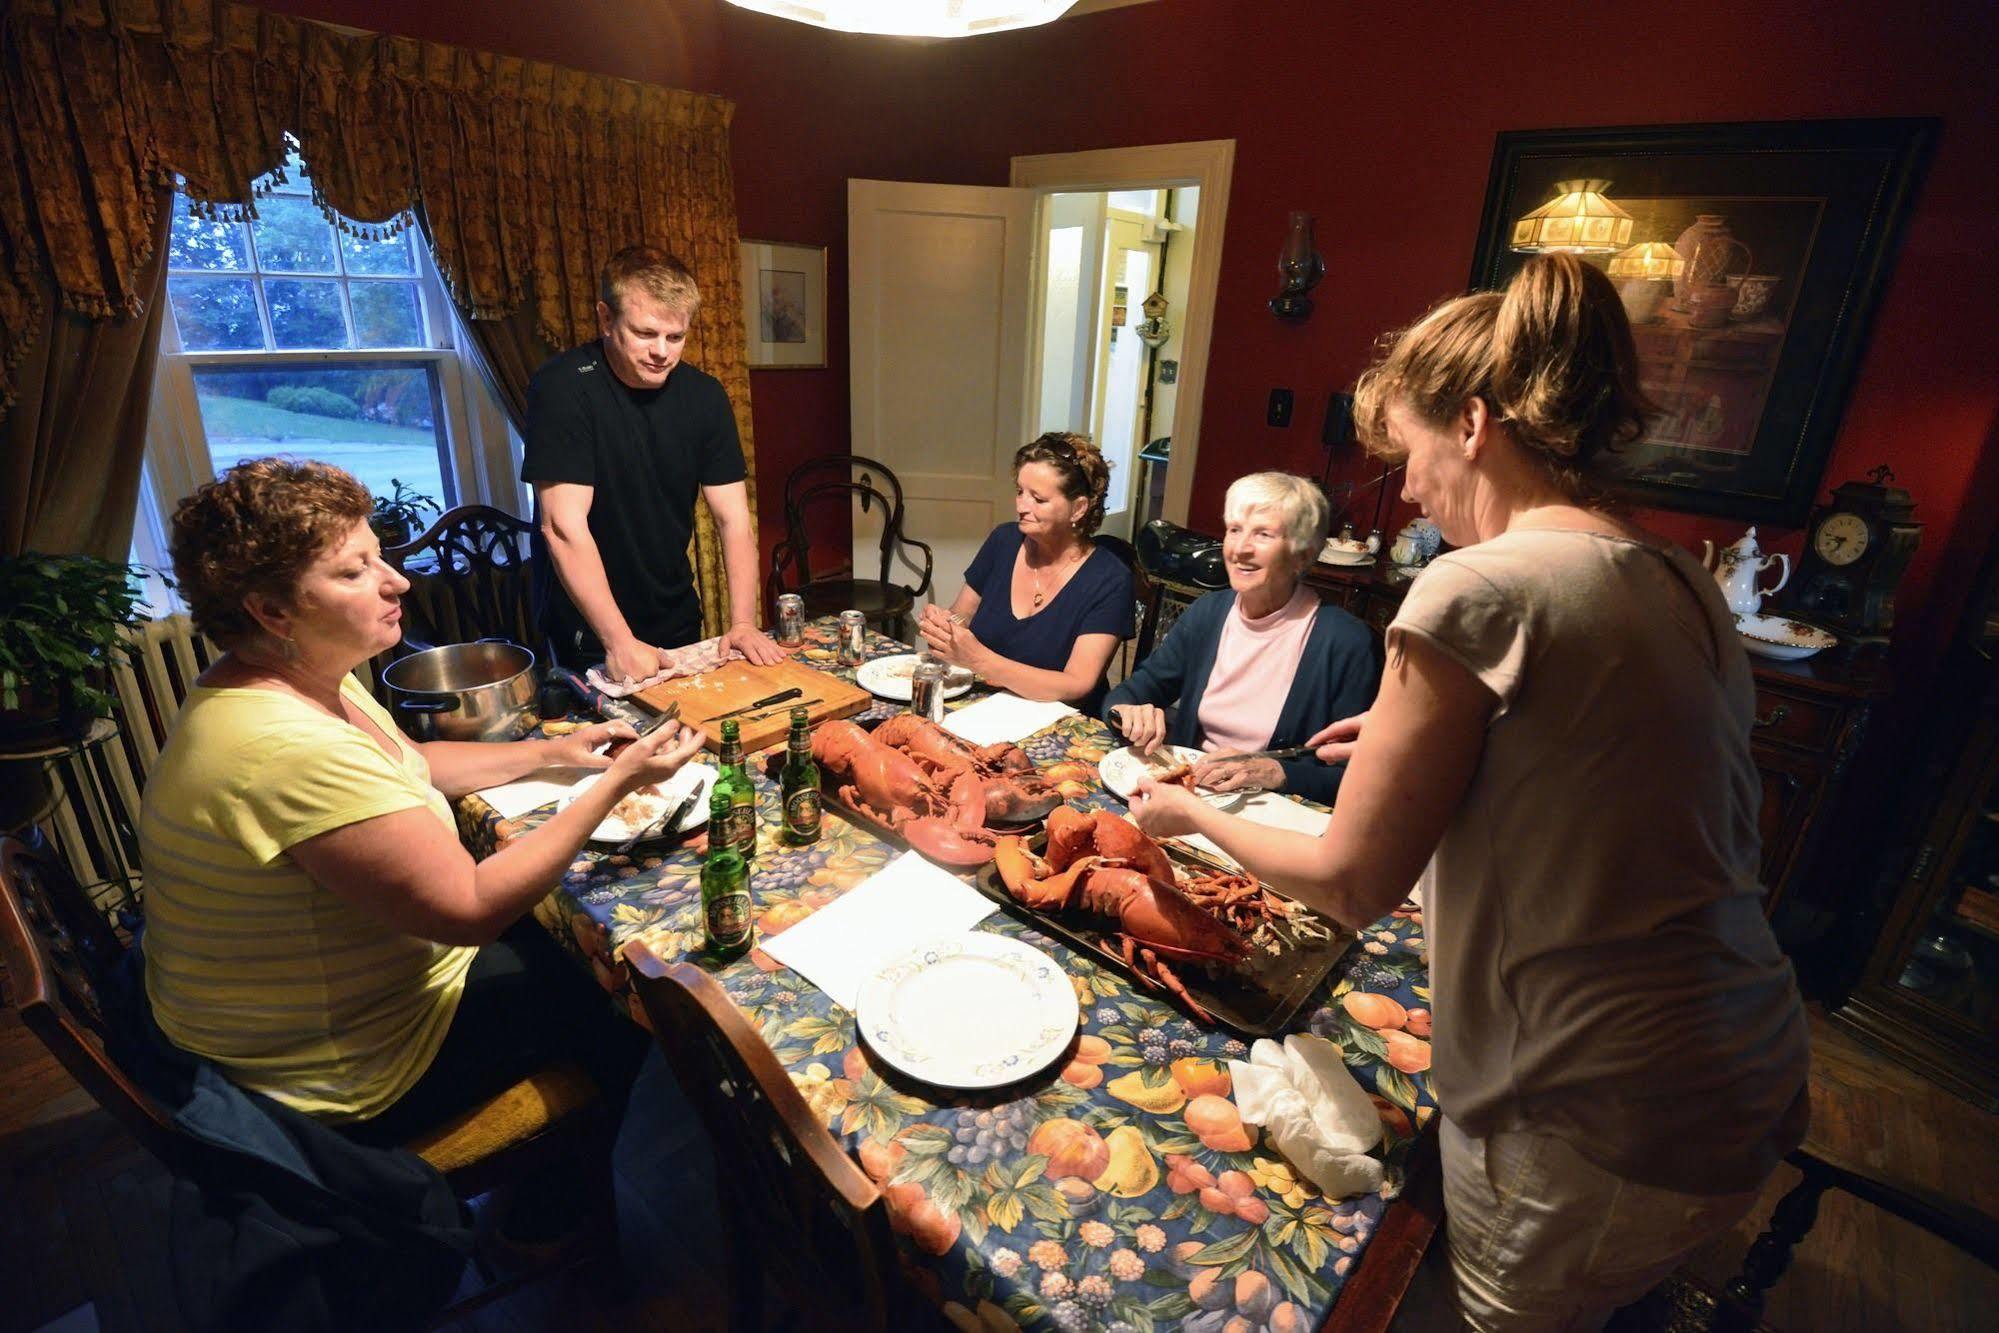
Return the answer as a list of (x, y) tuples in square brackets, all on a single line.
[(1750, 257), (784, 305)]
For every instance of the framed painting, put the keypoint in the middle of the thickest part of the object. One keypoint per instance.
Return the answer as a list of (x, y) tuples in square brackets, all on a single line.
[(1750, 259), (784, 304)]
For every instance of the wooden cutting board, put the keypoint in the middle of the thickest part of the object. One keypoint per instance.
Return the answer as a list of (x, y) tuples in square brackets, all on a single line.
[(734, 684)]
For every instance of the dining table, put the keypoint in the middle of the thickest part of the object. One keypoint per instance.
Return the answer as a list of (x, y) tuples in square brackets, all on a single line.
[(1119, 1189)]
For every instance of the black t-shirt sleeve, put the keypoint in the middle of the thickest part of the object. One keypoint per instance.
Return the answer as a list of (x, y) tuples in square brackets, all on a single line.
[(980, 572), (722, 448), (560, 445), (1112, 600)]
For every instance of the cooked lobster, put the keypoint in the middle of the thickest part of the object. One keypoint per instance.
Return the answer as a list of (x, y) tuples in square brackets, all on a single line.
[(1015, 792), (945, 820), (1102, 863)]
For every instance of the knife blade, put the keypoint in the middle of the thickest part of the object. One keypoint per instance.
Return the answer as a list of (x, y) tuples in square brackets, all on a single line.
[(758, 717), (1289, 752), (777, 698)]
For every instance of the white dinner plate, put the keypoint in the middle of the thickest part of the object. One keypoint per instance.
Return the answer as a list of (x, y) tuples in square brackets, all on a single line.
[(969, 1011), (652, 803), (888, 677), (1782, 639), (1122, 767), (1329, 556)]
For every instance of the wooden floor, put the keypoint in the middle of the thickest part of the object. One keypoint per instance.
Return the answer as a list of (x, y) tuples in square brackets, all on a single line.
[(83, 1216)]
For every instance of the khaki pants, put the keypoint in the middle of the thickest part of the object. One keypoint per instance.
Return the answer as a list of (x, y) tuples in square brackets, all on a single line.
[(1541, 1238)]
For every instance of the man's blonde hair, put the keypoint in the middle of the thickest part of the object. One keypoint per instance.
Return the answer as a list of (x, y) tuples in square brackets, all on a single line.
[(652, 271)]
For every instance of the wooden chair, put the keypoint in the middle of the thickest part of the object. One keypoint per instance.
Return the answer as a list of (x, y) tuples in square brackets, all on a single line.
[(56, 950), (471, 577), (794, 1206), (843, 479), (1133, 650)]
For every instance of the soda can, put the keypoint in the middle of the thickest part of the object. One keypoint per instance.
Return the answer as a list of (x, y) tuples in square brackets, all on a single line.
[(926, 689), (853, 638), (790, 618)]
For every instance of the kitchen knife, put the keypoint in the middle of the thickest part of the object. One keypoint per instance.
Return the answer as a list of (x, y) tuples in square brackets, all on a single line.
[(777, 698)]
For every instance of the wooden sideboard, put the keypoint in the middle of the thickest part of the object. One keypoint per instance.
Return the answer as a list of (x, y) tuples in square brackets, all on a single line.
[(1810, 718)]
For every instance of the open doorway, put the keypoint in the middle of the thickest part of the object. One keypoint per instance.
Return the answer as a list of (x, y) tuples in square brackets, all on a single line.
[(1113, 281)]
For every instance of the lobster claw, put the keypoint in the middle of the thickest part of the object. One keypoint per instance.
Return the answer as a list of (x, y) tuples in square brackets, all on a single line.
[(1028, 879)]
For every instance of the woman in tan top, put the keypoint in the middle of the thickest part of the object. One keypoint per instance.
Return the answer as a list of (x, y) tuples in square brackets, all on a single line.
[(1560, 752)]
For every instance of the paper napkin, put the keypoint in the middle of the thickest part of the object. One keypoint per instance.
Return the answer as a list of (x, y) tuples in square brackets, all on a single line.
[(1003, 717), (907, 903), (1313, 1112), (1272, 811)]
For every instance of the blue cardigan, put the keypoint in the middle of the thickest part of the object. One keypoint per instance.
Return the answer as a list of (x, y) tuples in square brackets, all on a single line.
[(1337, 676)]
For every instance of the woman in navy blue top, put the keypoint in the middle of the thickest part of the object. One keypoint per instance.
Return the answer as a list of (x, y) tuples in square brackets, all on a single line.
[(1043, 606)]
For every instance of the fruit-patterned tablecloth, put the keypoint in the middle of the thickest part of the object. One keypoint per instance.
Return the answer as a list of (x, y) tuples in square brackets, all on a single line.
[(1118, 1191)]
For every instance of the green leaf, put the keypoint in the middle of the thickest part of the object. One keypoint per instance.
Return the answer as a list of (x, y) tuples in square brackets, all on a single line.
[(1294, 1279), (1031, 1168), (1396, 1087), (1224, 1251)]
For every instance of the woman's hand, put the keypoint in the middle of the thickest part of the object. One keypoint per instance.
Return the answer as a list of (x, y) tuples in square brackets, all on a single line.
[(1335, 744), (949, 640), (578, 749), (655, 757), (1237, 774), (1144, 725), (1165, 810)]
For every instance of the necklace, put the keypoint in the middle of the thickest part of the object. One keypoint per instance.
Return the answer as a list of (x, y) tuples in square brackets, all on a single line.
[(1039, 594)]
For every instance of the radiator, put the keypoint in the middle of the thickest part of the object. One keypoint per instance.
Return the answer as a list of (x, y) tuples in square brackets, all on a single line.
[(94, 821)]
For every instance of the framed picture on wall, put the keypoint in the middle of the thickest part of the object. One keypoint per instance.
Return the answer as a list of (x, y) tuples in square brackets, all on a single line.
[(784, 304), (1750, 259)]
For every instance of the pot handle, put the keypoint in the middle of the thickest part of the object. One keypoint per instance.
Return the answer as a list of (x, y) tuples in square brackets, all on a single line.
[(446, 705)]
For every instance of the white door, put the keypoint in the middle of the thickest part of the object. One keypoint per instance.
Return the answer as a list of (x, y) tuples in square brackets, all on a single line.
[(939, 283), (1121, 363)]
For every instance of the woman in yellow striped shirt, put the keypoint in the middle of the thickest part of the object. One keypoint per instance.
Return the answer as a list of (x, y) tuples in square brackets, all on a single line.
[(314, 926)]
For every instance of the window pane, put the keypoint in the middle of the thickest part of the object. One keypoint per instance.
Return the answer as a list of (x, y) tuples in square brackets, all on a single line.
[(306, 314), (293, 236), (201, 243), (216, 314), (378, 257), (386, 314), (379, 421)]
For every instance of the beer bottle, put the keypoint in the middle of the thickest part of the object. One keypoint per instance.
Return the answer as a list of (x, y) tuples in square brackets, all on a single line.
[(800, 783), (739, 830), (725, 886)]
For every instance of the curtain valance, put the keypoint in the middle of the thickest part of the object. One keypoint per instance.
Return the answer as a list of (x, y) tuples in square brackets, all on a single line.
[(527, 176)]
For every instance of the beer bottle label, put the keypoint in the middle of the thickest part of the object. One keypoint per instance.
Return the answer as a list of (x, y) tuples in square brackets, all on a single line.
[(728, 919), (801, 813), (740, 829)]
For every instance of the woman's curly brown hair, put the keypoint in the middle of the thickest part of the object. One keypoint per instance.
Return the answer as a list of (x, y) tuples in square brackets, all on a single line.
[(1079, 463), (256, 529)]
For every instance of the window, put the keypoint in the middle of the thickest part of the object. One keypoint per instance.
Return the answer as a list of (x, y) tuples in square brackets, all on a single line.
[(292, 335)]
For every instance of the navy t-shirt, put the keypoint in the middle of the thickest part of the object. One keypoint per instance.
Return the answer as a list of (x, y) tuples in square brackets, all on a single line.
[(1098, 599), (647, 453)]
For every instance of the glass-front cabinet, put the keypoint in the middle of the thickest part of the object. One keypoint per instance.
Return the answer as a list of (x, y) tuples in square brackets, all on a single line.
[(1930, 992)]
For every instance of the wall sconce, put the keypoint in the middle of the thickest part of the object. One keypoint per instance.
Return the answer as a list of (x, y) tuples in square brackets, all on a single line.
[(1578, 220), (1153, 330), (1301, 267)]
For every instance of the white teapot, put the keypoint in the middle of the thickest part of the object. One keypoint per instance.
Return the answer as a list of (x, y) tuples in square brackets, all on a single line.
[(1737, 568)]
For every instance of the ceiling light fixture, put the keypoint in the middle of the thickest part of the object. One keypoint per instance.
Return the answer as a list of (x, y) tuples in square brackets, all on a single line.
[(913, 18)]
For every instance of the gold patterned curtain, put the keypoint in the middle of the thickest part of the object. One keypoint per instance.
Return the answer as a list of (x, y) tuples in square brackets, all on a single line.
[(527, 176)]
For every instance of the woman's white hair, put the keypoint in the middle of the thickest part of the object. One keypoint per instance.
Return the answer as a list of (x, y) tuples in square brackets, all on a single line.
[(1299, 505)]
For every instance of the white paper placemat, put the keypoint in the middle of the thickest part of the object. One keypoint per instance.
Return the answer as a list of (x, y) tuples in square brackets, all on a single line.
[(904, 904), (1271, 810), (1003, 717), (514, 799)]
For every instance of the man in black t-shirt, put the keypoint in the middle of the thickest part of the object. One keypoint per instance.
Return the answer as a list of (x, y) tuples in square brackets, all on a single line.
[(621, 437)]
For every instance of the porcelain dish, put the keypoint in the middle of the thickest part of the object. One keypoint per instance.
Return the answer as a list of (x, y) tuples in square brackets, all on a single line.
[(1335, 553), (1122, 767), (651, 803), (971, 1011), (888, 677), (1781, 639)]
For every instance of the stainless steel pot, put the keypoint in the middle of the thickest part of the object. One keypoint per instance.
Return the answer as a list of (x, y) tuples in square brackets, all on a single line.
[(482, 691)]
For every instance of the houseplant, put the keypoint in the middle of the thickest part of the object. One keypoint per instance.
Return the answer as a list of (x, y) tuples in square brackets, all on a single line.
[(63, 625), (399, 515)]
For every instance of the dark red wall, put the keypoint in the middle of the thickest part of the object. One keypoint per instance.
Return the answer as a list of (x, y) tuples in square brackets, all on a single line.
[(1342, 109)]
